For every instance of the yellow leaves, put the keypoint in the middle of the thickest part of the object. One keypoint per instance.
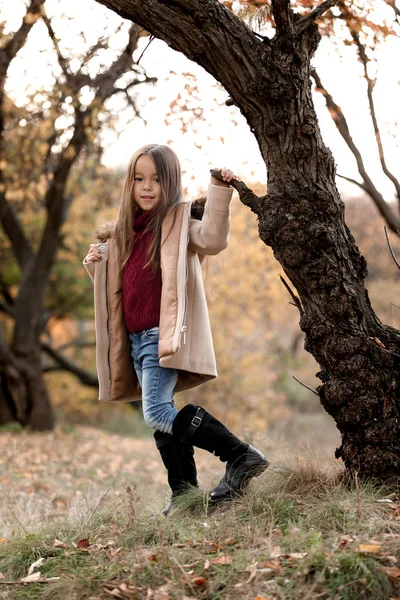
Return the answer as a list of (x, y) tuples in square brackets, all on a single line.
[(393, 573), (70, 152), (223, 559), (369, 549)]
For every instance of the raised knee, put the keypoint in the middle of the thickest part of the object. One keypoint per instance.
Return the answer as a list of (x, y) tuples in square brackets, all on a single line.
[(151, 420)]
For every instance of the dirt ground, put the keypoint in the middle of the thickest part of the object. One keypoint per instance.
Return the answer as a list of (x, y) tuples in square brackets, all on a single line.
[(48, 476)]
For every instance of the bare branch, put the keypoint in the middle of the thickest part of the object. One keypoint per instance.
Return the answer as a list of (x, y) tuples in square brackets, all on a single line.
[(306, 386), (12, 228), (15, 44), (350, 180), (391, 249), (368, 185), (315, 14), (61, 60), (295, 299), (65, 364), (370, 88), (246, 195)]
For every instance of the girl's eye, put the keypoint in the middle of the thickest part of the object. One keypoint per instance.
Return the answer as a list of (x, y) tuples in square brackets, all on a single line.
[(138, 179)]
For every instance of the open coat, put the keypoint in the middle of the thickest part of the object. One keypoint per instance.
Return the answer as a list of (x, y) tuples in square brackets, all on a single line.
[(185, 341)]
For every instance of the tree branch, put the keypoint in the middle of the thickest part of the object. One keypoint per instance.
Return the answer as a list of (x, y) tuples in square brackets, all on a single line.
[(370, 87), (15, 44), (12, 228), (62, 61), (391, 249), (283, 16), (246, 195), (180, 24), (295, 299), (358, 183), (65, 364), (315, 14), (368, 185)]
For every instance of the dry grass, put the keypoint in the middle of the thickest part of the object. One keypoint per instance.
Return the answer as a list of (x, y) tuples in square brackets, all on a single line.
[(294, 535)]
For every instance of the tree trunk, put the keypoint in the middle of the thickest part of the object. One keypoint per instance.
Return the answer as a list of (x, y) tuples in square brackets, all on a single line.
[(302, 216), (23, 394)]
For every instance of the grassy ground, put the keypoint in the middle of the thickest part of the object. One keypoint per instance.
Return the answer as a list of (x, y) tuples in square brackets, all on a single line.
[(80, 517)]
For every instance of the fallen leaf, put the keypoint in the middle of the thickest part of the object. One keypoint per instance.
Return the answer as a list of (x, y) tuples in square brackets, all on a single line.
[(272, 564), (275, 552), (3, 540), (161, 593), (263, 598), (229, 542), (152, 557), (59, 544), (368, 548), (32, 577), (253, 572), (198, 580), (393, 573), (206, 565), (83, 543), (383, 500), (392, 559), (34, 565), (296, 555), (223, 559), (277, 532)]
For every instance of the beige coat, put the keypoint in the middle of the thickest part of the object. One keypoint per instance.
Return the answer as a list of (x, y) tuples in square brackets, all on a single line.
[(185, 341)]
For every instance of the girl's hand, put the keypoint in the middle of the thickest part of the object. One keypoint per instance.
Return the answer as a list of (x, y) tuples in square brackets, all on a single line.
[(93, 254), (226, 174)]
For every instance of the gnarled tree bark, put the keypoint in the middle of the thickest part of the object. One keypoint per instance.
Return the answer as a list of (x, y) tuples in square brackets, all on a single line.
[(302, 216)]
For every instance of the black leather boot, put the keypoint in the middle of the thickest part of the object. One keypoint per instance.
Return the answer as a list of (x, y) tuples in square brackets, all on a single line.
[(196, 426), (178, 458)]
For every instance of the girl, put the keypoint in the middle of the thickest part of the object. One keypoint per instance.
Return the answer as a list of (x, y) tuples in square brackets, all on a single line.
[(153, 335)]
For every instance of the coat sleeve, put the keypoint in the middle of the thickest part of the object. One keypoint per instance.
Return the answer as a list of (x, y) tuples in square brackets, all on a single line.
[(211, 234), (89, 266)]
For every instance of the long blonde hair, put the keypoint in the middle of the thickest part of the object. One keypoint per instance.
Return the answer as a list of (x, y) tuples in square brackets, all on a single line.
[(169, 174)]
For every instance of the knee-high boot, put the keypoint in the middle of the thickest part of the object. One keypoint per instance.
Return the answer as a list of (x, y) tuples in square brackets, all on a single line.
[(178, 459), (195, 425)]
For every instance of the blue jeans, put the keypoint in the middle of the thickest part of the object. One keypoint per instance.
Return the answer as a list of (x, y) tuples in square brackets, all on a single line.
[(157, 383)]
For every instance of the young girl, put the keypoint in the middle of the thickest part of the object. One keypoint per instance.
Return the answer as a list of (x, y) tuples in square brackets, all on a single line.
[(153, 335)]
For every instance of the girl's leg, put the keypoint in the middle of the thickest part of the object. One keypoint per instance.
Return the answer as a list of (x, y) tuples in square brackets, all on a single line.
[(195, 425), (157, 383), (159, 412)]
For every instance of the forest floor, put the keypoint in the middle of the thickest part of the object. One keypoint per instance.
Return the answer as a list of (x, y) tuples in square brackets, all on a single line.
[(80, 519)]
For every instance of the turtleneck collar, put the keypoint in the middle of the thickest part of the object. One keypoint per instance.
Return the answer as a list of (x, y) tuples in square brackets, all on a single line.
[(142, 220)]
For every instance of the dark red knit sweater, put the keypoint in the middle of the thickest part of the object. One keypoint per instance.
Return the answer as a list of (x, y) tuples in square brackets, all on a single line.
[(141, 289)]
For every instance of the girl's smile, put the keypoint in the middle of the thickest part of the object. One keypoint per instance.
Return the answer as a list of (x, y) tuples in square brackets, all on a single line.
[(147, 188)]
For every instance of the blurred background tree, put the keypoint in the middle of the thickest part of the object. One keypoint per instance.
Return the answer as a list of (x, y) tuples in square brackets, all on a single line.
[(58, 126)]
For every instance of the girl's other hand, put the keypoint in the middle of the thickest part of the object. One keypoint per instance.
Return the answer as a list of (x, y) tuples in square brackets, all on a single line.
[(93, 254), (226, 174)]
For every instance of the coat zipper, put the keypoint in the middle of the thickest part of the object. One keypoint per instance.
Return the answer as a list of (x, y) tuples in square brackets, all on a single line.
[(184, 328), (108, 330)]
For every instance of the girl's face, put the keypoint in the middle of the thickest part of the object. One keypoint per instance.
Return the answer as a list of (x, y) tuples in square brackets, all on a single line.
[(147, 188)]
